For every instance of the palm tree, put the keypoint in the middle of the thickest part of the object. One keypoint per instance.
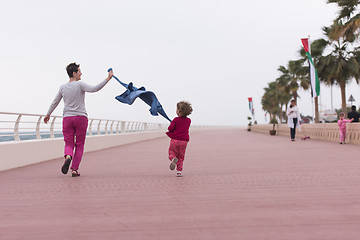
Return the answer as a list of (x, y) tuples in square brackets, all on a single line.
[(293, 77), (274, 99), (349, 26), (270, 100), (340, 65), (284, 88), (284, 98)]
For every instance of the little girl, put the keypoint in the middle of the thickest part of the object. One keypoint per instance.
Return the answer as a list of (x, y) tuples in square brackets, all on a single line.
[(342, 126), (179, 134)]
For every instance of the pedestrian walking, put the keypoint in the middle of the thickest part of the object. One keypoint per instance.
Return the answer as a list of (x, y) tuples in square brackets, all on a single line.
[(293, 119), (75, 119)]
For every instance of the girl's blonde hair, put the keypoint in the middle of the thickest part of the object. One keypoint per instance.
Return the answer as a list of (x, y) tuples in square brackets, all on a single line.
[(184, 108)]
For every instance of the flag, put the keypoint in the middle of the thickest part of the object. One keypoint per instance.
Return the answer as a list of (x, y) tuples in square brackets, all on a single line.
[(132, 93), (314, 79), (251, 108)]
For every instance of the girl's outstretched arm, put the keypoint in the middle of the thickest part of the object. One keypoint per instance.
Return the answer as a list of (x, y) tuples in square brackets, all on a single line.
[(171, 128)]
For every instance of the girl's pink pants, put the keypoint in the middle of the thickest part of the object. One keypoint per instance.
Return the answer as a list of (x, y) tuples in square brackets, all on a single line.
[(177, 149), (342, 134)]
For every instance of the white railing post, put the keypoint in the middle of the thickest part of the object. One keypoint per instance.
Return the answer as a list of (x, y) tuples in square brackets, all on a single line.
[(117, 127), (90, 132), (145, 127), (123, 130), (16, 128), (98, 128), (106, 124), (38, 128), (52, 134), (111, 127)]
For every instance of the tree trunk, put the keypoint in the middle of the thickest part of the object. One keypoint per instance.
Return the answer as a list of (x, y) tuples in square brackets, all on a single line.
[(343, 97), (316, 110), (295, 96)]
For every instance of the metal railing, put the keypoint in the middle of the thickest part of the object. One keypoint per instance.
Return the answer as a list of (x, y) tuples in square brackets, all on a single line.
[(23, 126)]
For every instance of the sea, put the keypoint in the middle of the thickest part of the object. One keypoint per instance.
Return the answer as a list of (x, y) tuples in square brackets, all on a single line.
[(9, 136)]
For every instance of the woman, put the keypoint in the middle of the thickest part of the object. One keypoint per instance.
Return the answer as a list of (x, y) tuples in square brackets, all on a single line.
[(75, 120), (293, 119)]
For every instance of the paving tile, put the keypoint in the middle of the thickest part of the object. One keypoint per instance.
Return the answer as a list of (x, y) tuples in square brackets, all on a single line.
[(236, 185)]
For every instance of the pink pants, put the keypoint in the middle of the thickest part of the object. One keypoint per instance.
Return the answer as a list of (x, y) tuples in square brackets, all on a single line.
[(177, 149), (74, 131), (342, 134)]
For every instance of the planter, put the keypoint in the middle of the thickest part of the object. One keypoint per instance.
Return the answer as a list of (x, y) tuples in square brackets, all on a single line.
[(272, 132)]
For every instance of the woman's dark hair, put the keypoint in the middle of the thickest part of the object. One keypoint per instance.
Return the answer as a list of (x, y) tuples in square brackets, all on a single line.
[(184, 108), (71, 68), (292, 101)]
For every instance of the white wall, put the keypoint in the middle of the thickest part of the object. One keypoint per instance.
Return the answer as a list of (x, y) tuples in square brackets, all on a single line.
[(18, 154)]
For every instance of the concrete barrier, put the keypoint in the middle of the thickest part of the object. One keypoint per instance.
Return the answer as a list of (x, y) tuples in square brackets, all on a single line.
[(319, 131), (18, 154)]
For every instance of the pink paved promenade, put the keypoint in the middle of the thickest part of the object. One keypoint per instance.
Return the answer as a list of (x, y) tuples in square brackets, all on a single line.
[(236, 185)]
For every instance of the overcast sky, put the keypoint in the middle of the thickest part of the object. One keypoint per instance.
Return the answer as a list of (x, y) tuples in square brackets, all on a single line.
[(214, 54)]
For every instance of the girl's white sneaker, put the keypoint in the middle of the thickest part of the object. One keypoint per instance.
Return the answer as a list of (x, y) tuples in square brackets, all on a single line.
[(179, 174)]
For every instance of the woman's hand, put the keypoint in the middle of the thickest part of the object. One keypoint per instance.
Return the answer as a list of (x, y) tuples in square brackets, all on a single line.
[(46, 118), (110, 75)]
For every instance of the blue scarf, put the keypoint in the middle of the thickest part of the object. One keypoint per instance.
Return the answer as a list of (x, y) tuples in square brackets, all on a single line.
[(131, 93)]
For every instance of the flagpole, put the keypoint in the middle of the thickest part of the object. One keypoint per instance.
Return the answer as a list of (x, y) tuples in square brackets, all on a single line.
[(311, 92), (314, 93), (332, 107), (312, 109)]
